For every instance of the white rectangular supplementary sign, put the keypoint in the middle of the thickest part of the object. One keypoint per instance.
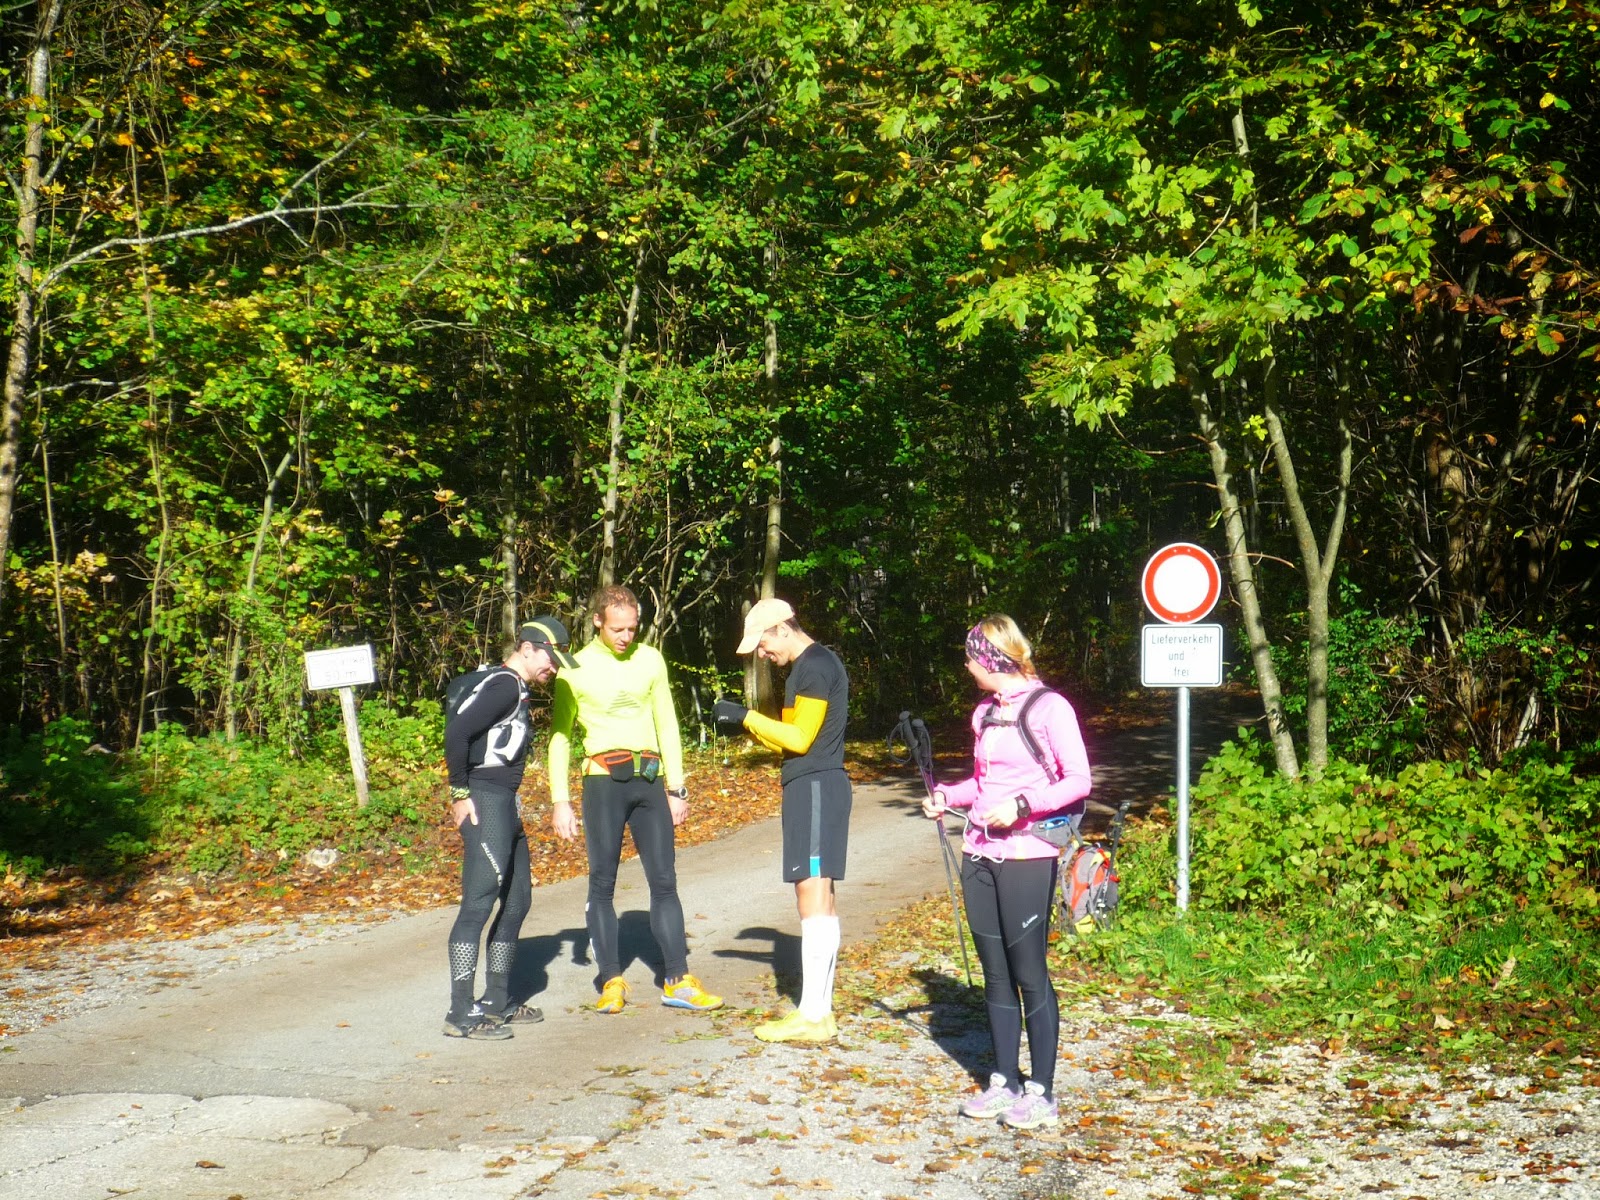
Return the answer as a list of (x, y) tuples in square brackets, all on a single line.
[(346, 666), (1181, 656)]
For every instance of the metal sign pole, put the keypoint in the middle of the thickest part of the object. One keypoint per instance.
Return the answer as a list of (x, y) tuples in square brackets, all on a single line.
[(352, 739), (1181, 584), (1183, 799)]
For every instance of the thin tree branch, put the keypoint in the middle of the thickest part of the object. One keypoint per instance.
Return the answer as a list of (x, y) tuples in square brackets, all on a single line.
[(275, 214)]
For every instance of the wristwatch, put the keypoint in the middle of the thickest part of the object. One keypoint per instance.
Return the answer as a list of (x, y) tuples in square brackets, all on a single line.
[(678, 793), (1024, 809)]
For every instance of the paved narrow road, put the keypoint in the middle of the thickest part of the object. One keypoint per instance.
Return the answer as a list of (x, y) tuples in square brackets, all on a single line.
[(322, 1074)]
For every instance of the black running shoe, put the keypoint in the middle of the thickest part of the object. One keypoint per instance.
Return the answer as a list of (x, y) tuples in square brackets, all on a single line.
[(521, 1014), (477, 1025)]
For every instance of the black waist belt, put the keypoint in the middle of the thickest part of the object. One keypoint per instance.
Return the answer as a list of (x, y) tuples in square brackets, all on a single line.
[(623, 765)]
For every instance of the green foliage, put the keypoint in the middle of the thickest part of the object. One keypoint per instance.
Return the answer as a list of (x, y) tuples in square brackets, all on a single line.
[(402, 740), (1376, 713), (1436, 839), (220, 804), (1469, 980), (64, 801)]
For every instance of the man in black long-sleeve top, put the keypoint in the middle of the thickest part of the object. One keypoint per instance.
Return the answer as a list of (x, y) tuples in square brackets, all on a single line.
[(485, 750)]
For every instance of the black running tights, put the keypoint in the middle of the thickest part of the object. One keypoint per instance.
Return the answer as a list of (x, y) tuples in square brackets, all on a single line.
[(641, 806), (494, 866), (1008, 911)]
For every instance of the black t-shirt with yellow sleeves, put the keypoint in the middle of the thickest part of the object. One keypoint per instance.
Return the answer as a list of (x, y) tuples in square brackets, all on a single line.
[(816, 706)]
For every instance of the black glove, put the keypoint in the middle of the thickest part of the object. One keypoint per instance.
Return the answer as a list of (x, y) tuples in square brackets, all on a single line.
[(729, 712)]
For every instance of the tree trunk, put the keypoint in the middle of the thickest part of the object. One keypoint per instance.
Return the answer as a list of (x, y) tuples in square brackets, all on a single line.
[(153, 448), (608, 550), (1316, 564), (230, 706), (148, 666), (1242, 571), (55, 555), (509, 583), (758, 689), (24, 311)]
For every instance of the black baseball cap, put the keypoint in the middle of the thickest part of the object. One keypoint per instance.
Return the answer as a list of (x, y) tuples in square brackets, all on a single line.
[(552, 635)]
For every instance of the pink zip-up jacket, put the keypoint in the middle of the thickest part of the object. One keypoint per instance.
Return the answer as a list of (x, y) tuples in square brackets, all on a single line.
[(1003, 768)]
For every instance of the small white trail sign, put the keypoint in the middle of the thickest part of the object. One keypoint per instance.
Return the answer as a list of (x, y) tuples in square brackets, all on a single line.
[(345, 668)]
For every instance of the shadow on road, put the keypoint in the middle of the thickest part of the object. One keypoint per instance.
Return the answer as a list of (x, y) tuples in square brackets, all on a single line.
[(635, 943), (531, 975), (952, 1019), (782, 951)]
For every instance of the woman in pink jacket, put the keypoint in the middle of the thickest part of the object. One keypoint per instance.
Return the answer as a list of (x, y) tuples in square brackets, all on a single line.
[(1008, 875)]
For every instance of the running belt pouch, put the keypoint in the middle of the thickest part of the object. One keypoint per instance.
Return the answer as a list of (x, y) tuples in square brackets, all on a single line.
[(649, 767), (1058, 831), (618, 764)]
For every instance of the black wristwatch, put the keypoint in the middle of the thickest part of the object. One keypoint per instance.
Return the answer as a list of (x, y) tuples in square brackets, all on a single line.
[(678, 793), (1024, 810)]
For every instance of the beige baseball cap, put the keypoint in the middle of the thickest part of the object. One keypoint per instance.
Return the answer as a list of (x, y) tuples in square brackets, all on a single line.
[(763, 615)]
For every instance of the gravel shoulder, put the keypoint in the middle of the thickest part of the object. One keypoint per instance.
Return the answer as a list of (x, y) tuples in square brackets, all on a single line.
[(875, 1116)]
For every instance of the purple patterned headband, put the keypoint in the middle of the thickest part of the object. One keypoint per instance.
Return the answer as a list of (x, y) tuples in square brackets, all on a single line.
[(989, 656)]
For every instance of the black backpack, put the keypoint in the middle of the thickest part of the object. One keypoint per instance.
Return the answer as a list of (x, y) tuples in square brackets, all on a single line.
[(459, 689)]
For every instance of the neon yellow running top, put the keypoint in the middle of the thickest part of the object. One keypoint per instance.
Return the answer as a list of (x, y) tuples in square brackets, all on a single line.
[(623, 703)]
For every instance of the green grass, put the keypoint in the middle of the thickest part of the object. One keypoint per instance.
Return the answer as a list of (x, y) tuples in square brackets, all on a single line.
[(1527, 981)]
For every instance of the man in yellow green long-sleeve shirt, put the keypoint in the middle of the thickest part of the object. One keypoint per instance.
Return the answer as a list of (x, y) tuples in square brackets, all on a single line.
[(632, 777)]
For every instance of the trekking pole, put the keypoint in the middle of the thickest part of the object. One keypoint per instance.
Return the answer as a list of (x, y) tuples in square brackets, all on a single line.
[(913, 733), (1117, 824)]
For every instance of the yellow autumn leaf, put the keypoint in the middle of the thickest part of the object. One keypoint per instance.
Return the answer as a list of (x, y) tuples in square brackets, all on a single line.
[(1546, 100)]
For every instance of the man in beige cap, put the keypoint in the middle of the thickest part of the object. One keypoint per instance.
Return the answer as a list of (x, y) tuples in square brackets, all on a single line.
[(816, 799)]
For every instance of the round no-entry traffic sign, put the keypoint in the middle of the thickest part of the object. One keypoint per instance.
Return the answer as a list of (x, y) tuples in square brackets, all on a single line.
[(1181, 583)]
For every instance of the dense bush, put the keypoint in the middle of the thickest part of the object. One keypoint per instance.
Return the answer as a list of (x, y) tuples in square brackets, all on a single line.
[(209, 803), (218, 803), (1435, 837), (1441, 911), (66, 801)]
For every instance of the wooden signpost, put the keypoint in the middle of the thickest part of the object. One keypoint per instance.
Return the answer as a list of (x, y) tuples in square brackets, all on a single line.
[(345, 668)]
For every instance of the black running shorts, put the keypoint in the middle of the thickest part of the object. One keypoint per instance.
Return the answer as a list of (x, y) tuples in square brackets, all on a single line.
[(816, 826)]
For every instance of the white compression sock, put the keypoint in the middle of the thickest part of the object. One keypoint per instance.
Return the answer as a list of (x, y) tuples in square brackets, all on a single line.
[(819, 950)]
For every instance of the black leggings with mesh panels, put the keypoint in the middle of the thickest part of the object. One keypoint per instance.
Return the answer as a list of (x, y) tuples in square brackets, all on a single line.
[(494, 868)]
